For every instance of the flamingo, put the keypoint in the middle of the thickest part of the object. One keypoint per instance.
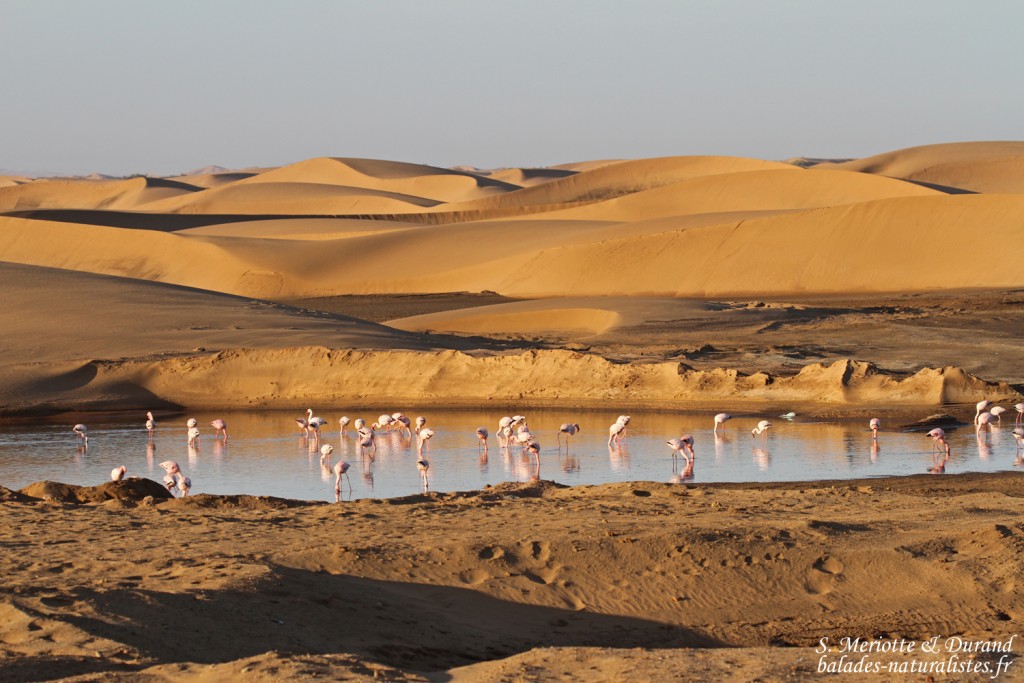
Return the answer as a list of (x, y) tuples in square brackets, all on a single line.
[(117, 474), (190, 423), (303, 422), (179, 481), (83, 433), (384, 422), (721, 418), (569, 429), (938, 436), (220, 426), (424, 436), (533, 448), (341, 470), (423, 465), (367, 440), (343, 424), (981, 405), (150, 424), (1020, 413), (997, 413), (523, 437), (875, 424), (788, 416), (682, 445), (481, 435), (504, 430), (359, 423), (404, 421), (616, 432), (325, 453), (1018, 435), (170, 467), (421, 422), (193, 436), (762, 427)]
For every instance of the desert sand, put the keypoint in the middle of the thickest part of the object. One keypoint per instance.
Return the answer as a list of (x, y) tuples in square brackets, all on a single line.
[(889, 285)]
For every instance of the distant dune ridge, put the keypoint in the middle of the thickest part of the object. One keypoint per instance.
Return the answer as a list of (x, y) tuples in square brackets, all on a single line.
[(935, 218)]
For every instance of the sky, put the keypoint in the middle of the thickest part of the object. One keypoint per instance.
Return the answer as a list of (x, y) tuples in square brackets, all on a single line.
[(122, 86)]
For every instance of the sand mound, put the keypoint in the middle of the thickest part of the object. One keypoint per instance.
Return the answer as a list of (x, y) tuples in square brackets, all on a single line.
[(219, 179), (204, 501), (292, 198), (84, 194), (9, 496), (440, 184), (131, 490), (973, 166), (528, 177), (300, 228)]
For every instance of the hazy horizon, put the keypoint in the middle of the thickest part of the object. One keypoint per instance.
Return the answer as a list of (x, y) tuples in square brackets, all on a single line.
[(119, 88)]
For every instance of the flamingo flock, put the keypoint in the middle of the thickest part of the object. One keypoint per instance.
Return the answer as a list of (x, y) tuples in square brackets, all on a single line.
[(513, 433)]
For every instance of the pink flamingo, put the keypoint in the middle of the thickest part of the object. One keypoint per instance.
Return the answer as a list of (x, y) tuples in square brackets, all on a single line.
[(303, 422), (191, 422), (367, 439), (721, 418), (682, 445), (523, 437), (343, 424), (83, 433), (193, 436), (150, 424), (341, 470), (569, 429), (875, 424), (325, 454), (384, 422), (424, 436), (117, 474), (219, 427), (423, 465), (1020, 413), (1018, 435), (615, 432), (481, 435), (762, 427), (938, 436), (981, 405), (997, 413)]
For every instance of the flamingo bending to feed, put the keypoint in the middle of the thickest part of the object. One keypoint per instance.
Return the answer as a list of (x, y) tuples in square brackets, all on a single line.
[(938, 436), (983, 422), (220, 427), (1020, 413), (481, 435), (721, 418), (762, 427), (682, 446), (423, 465), (385, 422), (875, 424), (981, 405), (341, 470), (1018, 435), (367, 440), (406, 423), (82, 431), (569, 429), (193, 436), (325, 453), (997, 413), (117, 474), (175, 478), (150, 424), (424, 436), (343, 424)]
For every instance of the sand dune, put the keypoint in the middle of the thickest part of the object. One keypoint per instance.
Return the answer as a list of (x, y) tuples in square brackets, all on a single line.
[(989, 167), (301, 228), (219, 179), (291, 198), (444, 185), (528, 177), (88, 194)]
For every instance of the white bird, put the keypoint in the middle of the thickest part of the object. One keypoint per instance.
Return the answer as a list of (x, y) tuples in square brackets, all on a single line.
[(191, 423), (367, 439), (179, 481), (569, 429), (341, 470), (762, 427), (523, 437), (997, 413), (1020, 413), (343, 424), (303, 422), (82, 431), (682, 445), (421, 422), (981, 405), (983, 422), (150, 423), (482, 434), (117, 474), (384, 422), (170, 467), (504, 430), (938, 436), (359, 423), (616, 432), (193, 436), (721, 418), (875, 424), (1018, 435), (423, 465), (325, 453), (788, 416), (424, 436)]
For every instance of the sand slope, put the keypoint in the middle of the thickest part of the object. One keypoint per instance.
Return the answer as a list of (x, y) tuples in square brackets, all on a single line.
[(990, 167), (88, 194)]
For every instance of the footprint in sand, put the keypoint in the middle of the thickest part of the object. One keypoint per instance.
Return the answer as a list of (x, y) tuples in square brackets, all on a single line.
[(821, 579)]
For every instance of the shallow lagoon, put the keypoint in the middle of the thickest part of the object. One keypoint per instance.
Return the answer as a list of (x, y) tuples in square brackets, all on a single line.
[(267, 455)]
